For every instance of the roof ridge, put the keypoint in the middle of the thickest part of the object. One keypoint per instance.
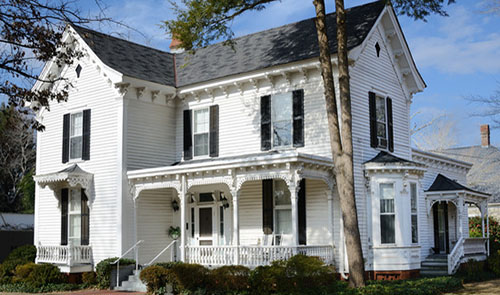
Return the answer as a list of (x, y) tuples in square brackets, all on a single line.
[(121, 39)]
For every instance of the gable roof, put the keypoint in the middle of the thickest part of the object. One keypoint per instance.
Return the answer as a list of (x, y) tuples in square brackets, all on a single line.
[(484, 174), (130, 59), (286, 44), (443, 183)]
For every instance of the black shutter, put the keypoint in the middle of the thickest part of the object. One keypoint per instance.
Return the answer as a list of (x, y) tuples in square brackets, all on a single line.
[(214, 131), (64, 216), (265, 123), (390, 137), (86, 135), (373, 120), (188, 141), (267, 206), (302, 213), (65, 141), (298, 118), (85, 219)]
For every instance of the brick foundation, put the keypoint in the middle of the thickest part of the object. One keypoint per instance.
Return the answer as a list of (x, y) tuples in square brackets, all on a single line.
[(391, 275)]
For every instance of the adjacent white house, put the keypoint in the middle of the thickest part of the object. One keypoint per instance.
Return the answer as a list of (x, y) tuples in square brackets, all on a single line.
[(233, 148)]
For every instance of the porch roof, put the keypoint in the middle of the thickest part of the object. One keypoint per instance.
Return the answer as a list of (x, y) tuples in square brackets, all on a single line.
[(444, 184), (242, 161)]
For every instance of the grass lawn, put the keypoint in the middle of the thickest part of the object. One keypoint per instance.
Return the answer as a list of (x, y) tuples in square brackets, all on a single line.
[(480, 288)]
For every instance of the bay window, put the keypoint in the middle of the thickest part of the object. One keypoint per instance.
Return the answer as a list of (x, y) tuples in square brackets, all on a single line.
[(414, 212), (387, 214)]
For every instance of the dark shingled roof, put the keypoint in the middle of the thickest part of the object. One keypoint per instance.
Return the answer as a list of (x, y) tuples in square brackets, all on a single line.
[(485, 172), (286, 44), (385, 157), (277, 46), (443, 183), (129, 58)]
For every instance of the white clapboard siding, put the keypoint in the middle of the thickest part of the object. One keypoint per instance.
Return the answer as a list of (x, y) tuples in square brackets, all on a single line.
[(154, 217), (91, 91), (150, 135), (250, 211), (317, 229)]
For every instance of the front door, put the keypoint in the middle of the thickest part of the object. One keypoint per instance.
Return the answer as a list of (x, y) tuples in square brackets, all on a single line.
[(441, 245), (205, 226)]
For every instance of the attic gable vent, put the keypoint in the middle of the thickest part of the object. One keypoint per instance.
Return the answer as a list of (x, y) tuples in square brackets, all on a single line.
[(78, 70), (377, 48)]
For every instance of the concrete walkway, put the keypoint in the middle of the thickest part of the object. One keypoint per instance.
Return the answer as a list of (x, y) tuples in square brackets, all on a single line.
[(482, 288)]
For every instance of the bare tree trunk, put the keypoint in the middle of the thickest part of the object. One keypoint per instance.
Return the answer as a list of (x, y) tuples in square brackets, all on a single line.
[(344, 168), (341, 146)]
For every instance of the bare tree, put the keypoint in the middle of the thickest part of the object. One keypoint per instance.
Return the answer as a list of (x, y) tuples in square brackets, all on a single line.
[(490, 103), (437, 133)]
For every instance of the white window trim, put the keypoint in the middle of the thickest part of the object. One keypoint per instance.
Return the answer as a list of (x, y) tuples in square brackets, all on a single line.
[(416, 213), (281, 147), (384, 97), (79, 159), (396, 223), (194, 110)]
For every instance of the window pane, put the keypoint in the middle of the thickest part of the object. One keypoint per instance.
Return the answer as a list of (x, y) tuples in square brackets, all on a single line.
[(206, 197), (387, 229), (414, 229), (381, 130), (284, 221), (74, 226), (413, 195), (75, 147), (75, 201), (201, 121), (386, 206), (386, 191), (281, 107), (281, 193), (76, 124), (380, 102), (201, 144), (282, 133)]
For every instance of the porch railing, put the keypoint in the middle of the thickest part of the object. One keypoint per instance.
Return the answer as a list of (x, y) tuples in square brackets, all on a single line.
[(455, 256), (67, 255), (475, 246), (253, 255)]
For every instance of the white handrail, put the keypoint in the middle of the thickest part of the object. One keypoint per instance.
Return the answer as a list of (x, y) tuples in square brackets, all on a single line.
[(161, 252), (455, 255), (117, 261)]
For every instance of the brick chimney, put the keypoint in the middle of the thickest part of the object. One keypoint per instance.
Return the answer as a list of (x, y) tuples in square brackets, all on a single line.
[(485, 135), (175, 45)]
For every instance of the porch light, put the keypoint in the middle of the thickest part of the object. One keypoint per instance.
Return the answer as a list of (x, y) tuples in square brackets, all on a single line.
[(175, 205), (223, 199)]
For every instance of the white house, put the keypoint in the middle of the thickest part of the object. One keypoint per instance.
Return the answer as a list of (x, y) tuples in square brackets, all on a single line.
[(233, 148)]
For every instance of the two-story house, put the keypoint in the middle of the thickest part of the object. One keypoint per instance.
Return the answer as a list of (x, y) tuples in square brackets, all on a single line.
[(232, 147)]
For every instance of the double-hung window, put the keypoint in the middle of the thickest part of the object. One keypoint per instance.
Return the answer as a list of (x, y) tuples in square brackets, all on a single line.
[(282, 208), (74, 215), (281, 119), (381, 122), (201, 122), (76, 136), (414, 212), (387, 214)]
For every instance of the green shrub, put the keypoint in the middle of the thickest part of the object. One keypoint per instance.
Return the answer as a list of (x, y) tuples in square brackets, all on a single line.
[(168, 265), (18, 256), (155, 277), (475, 231), (103, 270), (28, 288), (89, 278), (494, 262), (187, 278), (38, 274), (229, 279)]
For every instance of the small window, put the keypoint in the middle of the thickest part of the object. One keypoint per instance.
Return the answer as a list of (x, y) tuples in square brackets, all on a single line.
[(76, 136), (377, 49), (414, 213), (381, 122), (78, 70), (206, 197), (281, 119), (201, 132), (387, 214)]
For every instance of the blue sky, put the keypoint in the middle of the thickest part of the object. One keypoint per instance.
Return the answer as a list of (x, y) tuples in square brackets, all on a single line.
[(457, 55)]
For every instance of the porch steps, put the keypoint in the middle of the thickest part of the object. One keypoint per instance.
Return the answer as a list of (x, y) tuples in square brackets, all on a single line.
[(434, 265), (133, 283)]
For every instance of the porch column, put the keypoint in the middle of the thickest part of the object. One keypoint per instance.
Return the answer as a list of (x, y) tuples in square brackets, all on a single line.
[(294, 198), (136, 250), (329, 196), (236, 225), (488, 230), (482, 220), (183, 218), (460, 211)]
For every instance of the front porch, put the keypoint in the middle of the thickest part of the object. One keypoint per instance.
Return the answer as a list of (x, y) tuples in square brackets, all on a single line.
[(248, 210)]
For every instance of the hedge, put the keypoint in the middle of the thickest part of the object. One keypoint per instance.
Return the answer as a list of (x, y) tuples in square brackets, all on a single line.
[(29, 288), (20, 255)]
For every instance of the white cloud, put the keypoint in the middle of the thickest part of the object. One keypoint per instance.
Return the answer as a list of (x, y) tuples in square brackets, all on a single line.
[(464, 43)]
